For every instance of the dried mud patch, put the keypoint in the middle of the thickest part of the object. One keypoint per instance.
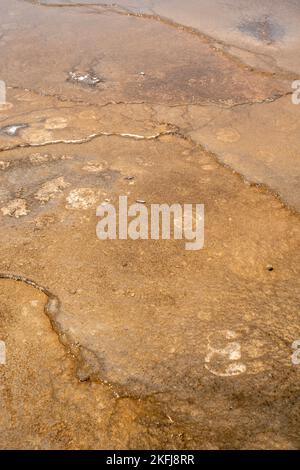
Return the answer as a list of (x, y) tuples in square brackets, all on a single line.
[(134, 308)]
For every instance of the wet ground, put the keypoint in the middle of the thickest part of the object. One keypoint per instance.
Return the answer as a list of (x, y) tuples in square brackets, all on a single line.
[(142, 344)]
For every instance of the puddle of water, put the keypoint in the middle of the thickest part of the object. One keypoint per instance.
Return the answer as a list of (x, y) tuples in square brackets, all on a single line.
[(138, 6), (263, 29)]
